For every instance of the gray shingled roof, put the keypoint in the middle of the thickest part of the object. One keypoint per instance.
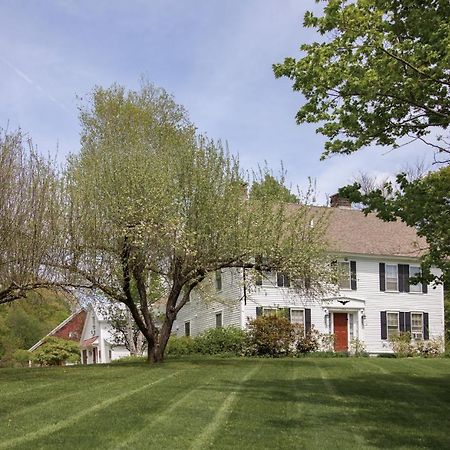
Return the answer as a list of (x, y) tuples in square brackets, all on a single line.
[(350, 231)]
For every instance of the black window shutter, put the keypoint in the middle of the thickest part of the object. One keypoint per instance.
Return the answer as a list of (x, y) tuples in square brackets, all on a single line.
[(287, 281), (406, 275), (407, 321), (401, 321), (426, 332), (424, 288), (259, 279), (383, 325), (403, 278), (259, 311), (279, 279), (307, 319), (353, 275), (382, 277)]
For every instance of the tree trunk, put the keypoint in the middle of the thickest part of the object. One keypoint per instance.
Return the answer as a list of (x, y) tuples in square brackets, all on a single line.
[(155, 353)]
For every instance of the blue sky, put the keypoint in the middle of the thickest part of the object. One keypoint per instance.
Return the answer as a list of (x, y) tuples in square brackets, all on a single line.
[(214, 56)]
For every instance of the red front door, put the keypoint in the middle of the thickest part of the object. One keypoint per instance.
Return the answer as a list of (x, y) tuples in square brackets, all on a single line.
[(340, 332)]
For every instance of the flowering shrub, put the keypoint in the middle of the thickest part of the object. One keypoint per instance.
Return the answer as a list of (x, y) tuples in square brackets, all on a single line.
[(430, 349), (306, 342), (271, 335)]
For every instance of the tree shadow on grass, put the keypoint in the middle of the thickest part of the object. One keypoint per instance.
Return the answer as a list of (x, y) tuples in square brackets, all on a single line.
[(386, 410)]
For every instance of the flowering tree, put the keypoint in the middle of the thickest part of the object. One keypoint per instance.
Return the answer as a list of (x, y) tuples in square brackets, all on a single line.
[(152, 209)]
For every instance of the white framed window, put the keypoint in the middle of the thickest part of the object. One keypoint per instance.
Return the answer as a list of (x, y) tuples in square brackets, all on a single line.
[(218, 280), (392, 324), (269, 278), (417, 326), (219, 319), (391, 277), (269, 311), (283, 280), (351, 326), (298, 316), (413, 272), (187, 329), (344, 275)]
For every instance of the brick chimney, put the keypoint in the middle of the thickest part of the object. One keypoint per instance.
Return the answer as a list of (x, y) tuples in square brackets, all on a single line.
[(336, 201)]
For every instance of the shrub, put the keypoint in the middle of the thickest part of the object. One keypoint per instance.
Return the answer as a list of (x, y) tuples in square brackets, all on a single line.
[(129, 360), (55, 351), (357, 347), (221, 340), (271, 335), (430, 349), (306, 342), (402, 345), (327, 342), (179, 346), (21, 357)]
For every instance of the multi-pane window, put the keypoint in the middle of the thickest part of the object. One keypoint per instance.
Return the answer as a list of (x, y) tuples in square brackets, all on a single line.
[(219, 320), (270, 311), (283, 280), (266, 278), (391, 277), (414, 271), (187, 328), (417, 326), (297, 316), (344, 275), (392, 324), (218, 280)]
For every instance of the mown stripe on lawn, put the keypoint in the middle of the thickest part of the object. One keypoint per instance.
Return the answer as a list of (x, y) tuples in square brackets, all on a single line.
[(224, 411), (92, 384), (360, 441), (162, 416), (49, 429)]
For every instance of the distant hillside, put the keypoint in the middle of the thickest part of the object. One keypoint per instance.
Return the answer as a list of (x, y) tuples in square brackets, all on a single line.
[(24, 322)]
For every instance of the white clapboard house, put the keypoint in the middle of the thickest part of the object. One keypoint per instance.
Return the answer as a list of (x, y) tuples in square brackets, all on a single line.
[(90, 328), (374, 301)]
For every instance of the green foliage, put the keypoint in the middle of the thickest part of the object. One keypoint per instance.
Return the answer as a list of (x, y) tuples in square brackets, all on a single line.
[(140, 239), (422, 204), (133, 359), (180, 346), (402, 345), (379, 73), (221, 340), (24, 322), (271, 188), (271, 335), (55, 352), (306, 341), (21, 357)]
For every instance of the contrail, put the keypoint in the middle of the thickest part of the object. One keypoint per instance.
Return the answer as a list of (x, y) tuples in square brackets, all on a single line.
[(32, 83)]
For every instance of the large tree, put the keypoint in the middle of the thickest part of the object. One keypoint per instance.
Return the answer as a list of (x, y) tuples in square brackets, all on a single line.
[(379, 75), (29, 216), (154, 208)]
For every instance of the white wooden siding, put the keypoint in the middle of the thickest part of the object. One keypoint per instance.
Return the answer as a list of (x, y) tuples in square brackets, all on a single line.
[(202, 315), (367, 295)]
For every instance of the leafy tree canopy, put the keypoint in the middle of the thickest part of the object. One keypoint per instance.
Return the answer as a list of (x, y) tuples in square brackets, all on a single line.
[(152, 207), (270, 187), (380, 74), (423, 203)]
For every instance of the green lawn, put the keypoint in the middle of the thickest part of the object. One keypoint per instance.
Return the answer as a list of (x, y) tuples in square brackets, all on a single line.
[(230, 403)]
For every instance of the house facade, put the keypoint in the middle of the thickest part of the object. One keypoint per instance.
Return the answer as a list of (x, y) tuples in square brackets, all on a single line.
[(375, 298), (92, 331)]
